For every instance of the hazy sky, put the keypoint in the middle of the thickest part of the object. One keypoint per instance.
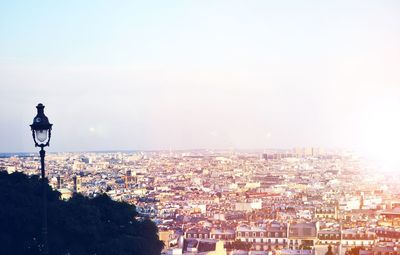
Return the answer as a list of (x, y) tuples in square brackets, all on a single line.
[(201, 74)]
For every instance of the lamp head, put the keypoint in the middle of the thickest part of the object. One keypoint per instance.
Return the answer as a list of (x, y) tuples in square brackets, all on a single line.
[(41, 128)]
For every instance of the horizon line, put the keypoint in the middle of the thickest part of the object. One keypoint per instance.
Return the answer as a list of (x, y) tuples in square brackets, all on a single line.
[(181, 150)]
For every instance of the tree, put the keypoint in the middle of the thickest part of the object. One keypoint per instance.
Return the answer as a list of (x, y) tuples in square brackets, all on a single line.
[(80, 226)]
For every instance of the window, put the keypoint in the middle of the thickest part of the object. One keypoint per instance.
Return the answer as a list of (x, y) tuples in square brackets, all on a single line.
[(189, 235)]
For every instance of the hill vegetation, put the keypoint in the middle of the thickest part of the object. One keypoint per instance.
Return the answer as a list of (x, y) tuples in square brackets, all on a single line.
[(79, 226)]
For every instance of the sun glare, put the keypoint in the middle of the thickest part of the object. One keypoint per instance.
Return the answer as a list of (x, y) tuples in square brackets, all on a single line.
[(380, 135)]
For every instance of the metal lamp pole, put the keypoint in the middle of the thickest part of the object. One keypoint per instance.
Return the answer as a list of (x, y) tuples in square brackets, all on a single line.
[(44, 199), (41, 133)]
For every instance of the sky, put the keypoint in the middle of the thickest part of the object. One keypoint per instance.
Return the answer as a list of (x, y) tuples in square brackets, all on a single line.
[(150, 75)]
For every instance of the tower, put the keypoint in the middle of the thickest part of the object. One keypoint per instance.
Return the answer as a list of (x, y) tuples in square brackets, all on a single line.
[(77, 183), (130, 179), (329, 252), (60, 182)]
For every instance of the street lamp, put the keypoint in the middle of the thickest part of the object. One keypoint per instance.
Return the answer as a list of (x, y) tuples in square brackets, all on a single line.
[(41, 133)]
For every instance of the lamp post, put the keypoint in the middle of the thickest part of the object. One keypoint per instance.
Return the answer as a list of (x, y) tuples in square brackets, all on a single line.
[(41, 133)]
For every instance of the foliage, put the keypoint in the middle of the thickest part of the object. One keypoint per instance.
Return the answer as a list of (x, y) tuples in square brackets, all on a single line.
[(80, 226)]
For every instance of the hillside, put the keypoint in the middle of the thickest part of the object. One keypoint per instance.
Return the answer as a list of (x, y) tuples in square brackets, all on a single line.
[(78, 226)]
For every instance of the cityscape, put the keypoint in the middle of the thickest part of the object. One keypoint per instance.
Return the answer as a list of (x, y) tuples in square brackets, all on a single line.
[(301, 201), (212, 127)]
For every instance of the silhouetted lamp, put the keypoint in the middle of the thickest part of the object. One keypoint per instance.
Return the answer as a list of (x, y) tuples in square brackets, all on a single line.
[(41, 128), (41, 133)]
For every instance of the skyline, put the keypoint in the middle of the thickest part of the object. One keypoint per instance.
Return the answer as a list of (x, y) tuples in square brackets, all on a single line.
[(159, 76)]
